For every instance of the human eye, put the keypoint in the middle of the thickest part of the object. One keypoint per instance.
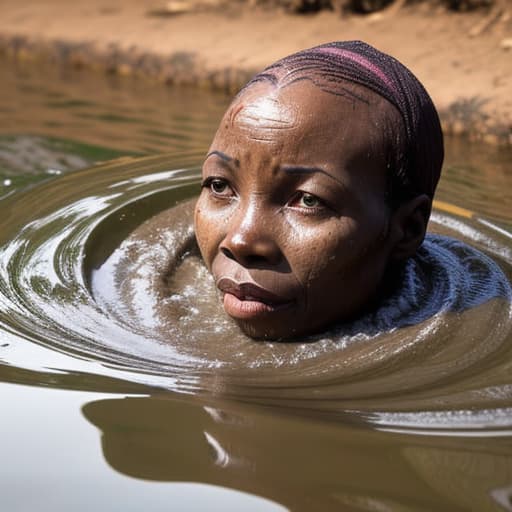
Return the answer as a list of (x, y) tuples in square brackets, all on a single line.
[(218, 187), (309, 203)]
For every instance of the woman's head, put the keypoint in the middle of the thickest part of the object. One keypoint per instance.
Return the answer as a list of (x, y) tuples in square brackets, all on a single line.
[(312, 190)]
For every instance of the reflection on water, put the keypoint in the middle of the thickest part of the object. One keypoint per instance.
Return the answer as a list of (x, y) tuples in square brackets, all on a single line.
[(298, 462), (52, 461), (55, 120), (388, 423), (114, 113)]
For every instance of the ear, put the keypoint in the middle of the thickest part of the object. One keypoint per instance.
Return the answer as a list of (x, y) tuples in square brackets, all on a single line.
[(409, 225)]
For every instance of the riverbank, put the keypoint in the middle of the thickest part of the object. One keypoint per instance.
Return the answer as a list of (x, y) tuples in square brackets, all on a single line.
[(466, 66)]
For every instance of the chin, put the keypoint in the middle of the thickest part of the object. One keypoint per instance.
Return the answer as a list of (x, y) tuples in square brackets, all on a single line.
[(287, 330), (266, 332), (284, 332)]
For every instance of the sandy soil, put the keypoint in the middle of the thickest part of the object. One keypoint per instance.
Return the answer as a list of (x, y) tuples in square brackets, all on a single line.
[(468, 76)]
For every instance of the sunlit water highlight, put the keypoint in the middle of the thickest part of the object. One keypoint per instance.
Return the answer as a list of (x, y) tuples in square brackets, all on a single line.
[(80, 291)]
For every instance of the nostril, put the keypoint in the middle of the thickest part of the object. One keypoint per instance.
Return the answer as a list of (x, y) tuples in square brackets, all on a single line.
[(244, 259), (228, 253), (255, 259)]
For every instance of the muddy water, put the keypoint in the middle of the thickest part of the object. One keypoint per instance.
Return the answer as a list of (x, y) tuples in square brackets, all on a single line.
[(108, 404)]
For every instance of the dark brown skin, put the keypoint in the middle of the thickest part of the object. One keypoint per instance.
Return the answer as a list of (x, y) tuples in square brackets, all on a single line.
[(292, 219)]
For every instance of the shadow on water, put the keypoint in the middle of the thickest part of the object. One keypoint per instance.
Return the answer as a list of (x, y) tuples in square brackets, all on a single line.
[(410, 416)]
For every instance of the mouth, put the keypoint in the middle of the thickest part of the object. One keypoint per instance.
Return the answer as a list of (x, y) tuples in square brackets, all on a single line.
[(245, 301)]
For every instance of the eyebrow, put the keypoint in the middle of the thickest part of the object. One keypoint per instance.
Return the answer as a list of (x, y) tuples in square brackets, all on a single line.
[(224, 157), (287, 169), (300, 169)]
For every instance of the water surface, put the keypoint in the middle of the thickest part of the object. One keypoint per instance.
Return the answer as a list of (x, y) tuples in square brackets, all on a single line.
[(102, 405)]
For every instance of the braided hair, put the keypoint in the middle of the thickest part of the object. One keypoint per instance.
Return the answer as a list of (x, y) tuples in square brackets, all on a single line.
[(416, 151)]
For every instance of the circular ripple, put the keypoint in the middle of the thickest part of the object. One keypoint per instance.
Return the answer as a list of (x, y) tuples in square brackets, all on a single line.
[(80, 293)]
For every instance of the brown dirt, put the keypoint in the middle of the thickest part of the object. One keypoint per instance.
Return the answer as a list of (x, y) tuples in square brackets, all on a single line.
[(464, 60)]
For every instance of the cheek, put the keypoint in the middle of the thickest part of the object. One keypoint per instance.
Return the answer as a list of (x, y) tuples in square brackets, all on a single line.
[(318, 252), (206, 232), (359, 263), (332, 253)]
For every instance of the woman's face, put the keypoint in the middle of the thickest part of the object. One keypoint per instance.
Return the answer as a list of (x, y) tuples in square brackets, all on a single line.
[(292, 220)]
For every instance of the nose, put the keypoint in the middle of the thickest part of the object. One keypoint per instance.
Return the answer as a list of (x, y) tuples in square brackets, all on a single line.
[(251, 239)]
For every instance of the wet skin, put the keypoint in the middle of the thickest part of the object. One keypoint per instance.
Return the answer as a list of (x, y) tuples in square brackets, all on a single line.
[(292, 219)]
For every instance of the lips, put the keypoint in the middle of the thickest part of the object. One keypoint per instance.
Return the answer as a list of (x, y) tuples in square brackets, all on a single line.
[(247, 300)]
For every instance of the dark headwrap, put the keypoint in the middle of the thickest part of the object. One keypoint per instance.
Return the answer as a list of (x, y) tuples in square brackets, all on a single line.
[(416, 165)]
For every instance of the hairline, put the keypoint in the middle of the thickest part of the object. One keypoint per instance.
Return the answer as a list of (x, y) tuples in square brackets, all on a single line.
[(394, 193)]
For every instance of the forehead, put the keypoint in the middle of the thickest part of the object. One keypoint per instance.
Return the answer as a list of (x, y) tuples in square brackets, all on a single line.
[(354, 120)]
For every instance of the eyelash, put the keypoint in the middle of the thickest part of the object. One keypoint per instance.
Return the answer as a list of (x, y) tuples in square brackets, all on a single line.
[(308, 210), (209, 184)]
